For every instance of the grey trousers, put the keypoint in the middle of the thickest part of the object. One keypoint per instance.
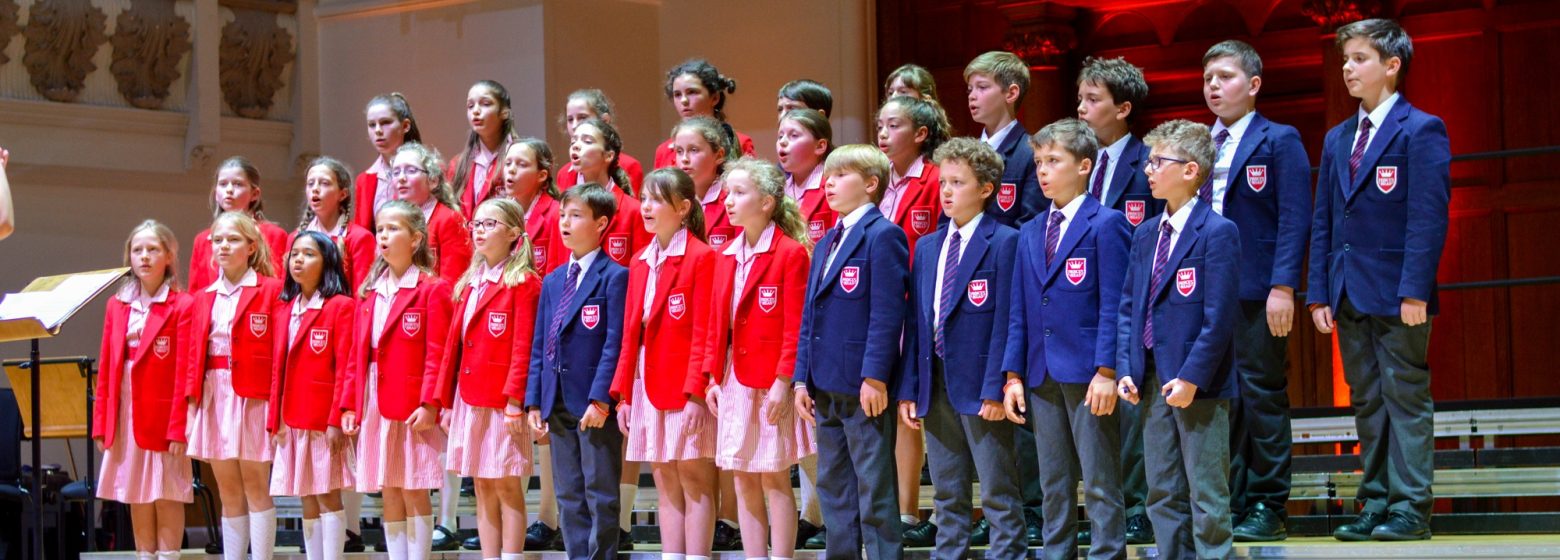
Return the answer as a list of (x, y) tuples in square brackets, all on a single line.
[(1385, 363), (1077, 438), (856, 481), (1188, 467), (1260, 438), (958, 446), (586, 469), (1134, 485)]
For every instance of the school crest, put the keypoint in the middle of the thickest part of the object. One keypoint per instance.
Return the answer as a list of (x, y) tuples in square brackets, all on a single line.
[(1256, 177), (539, 256), (1077, 270), (978, 291), (1386, 178), (815, 230), (161, 346), (676, 304), (920, 220), (259, 323), (718, 239), (411, 323), (590, 316), (850, 277), (617, 247), (318, 338), (1186, 281), (498, 322), (1136, 209), (767, 297), (1007, 194)]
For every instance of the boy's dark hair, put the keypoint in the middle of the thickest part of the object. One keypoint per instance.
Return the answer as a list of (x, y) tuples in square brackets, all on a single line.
[(1386, 36), (1244, 53), (593, 196), (812, 94), (1072, 135), (333, 275), (1123, 80), (978, 155)]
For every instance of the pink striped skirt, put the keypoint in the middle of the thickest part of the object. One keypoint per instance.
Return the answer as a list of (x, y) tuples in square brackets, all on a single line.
[(481, 446), (748, 442), (656, 436), (391, 454), (227, 426), (306, 464), (132, 475)]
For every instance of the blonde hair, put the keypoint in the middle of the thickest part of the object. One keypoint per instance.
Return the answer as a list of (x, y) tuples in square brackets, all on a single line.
[(170, 245), (260, 260), (1004, 67), (770, 181), (519, 266), (411, 218), (865, 159), (432, 166), (1186, 139)]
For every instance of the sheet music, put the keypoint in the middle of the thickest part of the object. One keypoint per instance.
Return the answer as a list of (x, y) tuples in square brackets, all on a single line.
[(53, 306)]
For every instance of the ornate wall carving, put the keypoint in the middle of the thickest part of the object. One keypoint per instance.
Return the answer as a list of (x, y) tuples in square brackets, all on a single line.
[(8, 26), (62, 36), (253, 55), (149, 41)]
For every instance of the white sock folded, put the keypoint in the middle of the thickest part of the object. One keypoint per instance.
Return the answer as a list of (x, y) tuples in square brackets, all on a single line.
[(262, 533), (449, 495), (672, 556), (352, 507), (396, 539), (333, 534), (235, 537), (311, 539), (627, 493), (512, 556), (694, 557), (420, 544), (168, 554), (145, 555)]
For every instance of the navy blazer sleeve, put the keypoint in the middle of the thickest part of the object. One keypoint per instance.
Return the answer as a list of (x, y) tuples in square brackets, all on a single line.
[(1124, 334), (1007, 245), (1321, 225), (1015, 357), (885, 324), (1113, 240), (1428, 178), (909, 386), (617, 295), (542, 323), (1034, 200), (804, 334), (1294, 203), (1221, 304)]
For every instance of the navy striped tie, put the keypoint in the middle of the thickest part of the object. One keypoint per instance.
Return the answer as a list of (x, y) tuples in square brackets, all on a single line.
[(950, 272), (564, 303), (1161, 257), (1359, 149)]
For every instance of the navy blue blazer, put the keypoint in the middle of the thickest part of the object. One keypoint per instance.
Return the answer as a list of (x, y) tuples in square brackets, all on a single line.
[(975, 326), (1195, 306), (856, 309), (1269, 199), (1063, 325), (589, 340), (1128, 191), (1018, 197), (1379, 237)]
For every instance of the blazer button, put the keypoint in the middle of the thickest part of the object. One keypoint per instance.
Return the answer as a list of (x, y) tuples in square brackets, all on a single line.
[(1048, 332), (1347, 248), (1045, 301), (468, 344), (742, 351), (742, 322)]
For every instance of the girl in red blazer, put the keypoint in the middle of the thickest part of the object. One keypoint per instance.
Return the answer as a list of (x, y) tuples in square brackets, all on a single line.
[(528, 180), (313, 458), (140, 431), (237, 190), (476, 170), (908, 133), (486, 359), (661, 380), (697, 89), (390, 124), (756, 309), (586, 104), (389, 402), (803, 141), (594, 149), (702, 152), (420, 180), (229, 381), (327, 209)]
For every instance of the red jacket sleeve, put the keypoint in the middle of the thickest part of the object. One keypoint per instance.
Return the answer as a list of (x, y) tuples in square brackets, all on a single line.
[(698, 380), (454, 250), (628, 353), (279, 343), (343, 324), (183, 317), (110, 324), (442, 394), (523, 320), (439, 307), (795, 274)]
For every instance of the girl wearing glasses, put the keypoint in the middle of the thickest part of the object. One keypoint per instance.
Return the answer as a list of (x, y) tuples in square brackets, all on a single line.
[(418, 177)]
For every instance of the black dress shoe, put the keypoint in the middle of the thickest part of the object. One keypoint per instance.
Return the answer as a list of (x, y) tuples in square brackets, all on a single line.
[(1261, 525), (354, 543), (804, 531), (1360, 529), (818, 541), (980, 533), (468, 487), (1401, 527), (1034, 528), (1139, 530), (539, 536), (625, 540), (475, 543), (920, 535), (444, 539), (726, 537)]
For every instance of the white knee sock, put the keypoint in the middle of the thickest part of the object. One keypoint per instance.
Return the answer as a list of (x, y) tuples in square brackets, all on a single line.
[(447, 500), (627, 493), (262, 533), (512, 556), (672, 556), (333, 534), (235, 537), (396, 539), (420, 545), (547, 510), (694, 557), (352, 506), (145, 555), (168, 554), (312, 548)]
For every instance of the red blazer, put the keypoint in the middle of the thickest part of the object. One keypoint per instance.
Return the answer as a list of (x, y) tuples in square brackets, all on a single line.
[(920, 206), (363, 193), (449, 243), (626, 235), (762, 334), (204, 270), (410, 349), (311, 369), (157, 412), (490, 362), (541, 226), (816, 213), (569, 177), (717, 227), (476, 188), (254, 338), (357, 254), (665, 157), (674, 337)]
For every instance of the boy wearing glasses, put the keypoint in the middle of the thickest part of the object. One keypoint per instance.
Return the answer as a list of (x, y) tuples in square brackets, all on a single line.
[(1175, 346)]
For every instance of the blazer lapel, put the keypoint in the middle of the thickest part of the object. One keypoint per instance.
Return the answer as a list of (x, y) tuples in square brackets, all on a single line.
[(760, 264), (670, 268), (1183, 244), (971, 258), (1256, 133), (588, 281), (244, 297), (487, 296), (403, 298), (811, 198), (304, 322), (1076, 231), (848, 246), (155, 317), (1130, 155), (929, 273), (1385, 132)]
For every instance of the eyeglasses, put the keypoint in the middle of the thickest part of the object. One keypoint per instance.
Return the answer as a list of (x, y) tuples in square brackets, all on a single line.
[(1156, 162), (484, 225), (407, 171)]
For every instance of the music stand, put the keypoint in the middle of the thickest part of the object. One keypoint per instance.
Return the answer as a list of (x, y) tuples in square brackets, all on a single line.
[(63, 380)]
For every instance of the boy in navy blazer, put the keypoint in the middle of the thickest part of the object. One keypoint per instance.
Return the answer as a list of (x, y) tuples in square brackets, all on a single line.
[(1376, 239), (954, 339), (1261, 180), (997, 81), (1175, 341), (1060, 361), (579, 322), (845, 358)]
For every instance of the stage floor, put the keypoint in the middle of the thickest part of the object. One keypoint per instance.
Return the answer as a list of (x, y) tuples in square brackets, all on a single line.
[(1448, 547)]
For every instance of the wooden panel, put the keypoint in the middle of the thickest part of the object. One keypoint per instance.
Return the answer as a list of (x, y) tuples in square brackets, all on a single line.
[(1530, 116)]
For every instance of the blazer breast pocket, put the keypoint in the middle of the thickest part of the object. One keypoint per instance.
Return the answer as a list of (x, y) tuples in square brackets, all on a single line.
[(980, 294), (413, 324), (1385, 181), (851, 282), (1186, 281), (1255, 179), (1078, 271), (592, 316)]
